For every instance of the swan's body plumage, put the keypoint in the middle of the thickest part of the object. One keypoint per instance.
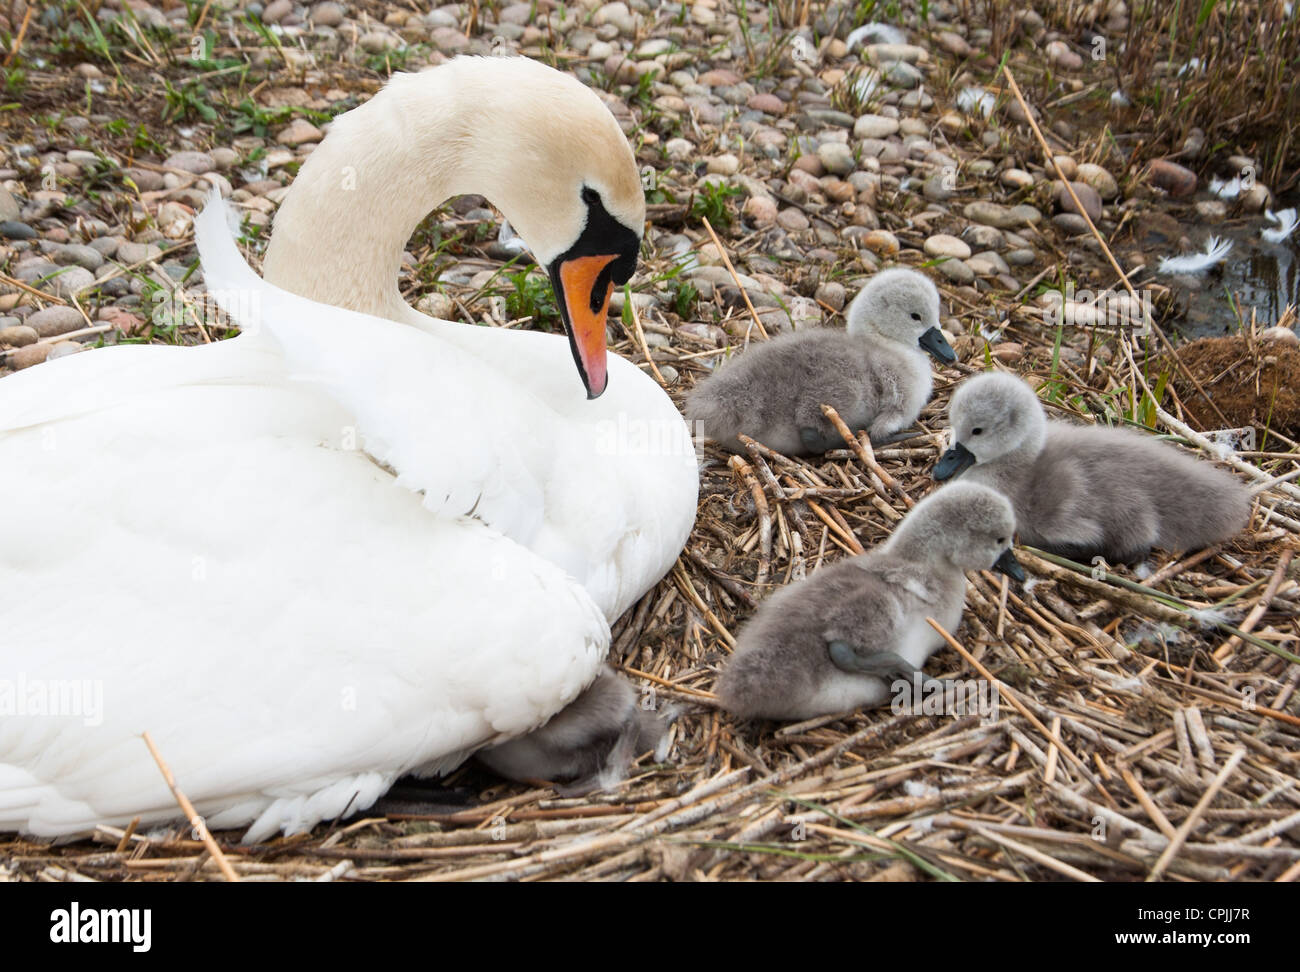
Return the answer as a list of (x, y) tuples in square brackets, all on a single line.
[(331, 551)]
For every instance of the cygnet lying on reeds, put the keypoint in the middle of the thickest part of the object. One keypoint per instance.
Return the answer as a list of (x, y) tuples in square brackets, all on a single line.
[(874, 373), (1084, 491), (839, 639)]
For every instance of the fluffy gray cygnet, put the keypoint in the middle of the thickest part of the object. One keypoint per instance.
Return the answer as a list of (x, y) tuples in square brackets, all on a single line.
[(839, 639), (874, 373), (1085, 491), (591, 741)]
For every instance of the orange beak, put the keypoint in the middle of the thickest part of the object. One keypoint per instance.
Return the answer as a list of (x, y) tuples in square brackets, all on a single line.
[(585, 285)]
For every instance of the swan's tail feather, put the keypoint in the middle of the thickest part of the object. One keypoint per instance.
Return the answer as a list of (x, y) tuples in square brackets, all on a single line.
[(238, 291)]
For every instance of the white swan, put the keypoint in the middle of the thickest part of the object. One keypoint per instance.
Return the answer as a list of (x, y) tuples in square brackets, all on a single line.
[(338, 548)]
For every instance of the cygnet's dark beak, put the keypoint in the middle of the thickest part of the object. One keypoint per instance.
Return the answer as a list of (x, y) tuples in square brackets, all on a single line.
[(955, 460), (934, 342), (1008, 565)]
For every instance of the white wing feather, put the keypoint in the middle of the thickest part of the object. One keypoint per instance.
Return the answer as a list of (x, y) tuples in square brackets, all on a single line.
[(1215, 252)]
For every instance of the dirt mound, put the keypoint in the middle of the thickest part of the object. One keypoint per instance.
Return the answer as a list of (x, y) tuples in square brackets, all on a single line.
[(1252, 382)]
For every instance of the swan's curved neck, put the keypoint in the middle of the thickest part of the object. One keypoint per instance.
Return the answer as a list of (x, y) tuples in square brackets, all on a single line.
[(340, 233)]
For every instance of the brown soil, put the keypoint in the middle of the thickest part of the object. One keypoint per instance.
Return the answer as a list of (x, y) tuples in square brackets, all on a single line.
[(1252, 383)]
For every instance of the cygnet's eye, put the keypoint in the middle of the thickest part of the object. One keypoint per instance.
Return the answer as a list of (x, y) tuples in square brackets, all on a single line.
[(1001, 541), (590, 196), (915, 316), (976, 431)]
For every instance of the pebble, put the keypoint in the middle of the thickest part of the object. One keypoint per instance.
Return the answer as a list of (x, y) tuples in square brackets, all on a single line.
[(276, 11), (9, 209), (327, 14), (762, 210), (1016, 178), (769, 104), (14, 230), (25, 357), (297, 132), (726, 164), (994, 214), (1256, 199), (18, 335), (55, 320), (881, 242), (956, 271), (793, 220), (194, 162), (82, 256), (901, 74), (145, 179), (70, 281), (832, 294), (1068, 167), (62, 349), (132, 253), (1087, 195), (837, 158), (1100, 180), (875, 126), (1173, 178), (1060, 54), (1071, 224), (943, 245)]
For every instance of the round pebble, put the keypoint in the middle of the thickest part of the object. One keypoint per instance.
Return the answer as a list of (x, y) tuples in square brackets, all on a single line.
[(943, 245)]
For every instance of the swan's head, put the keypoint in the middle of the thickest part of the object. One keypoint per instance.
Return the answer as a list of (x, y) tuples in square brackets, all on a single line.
[(991, 414), (551, 156), (903, 305), (967, 525)]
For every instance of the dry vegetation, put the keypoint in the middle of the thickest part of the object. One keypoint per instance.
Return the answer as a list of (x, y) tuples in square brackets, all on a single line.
[(1148, 726)]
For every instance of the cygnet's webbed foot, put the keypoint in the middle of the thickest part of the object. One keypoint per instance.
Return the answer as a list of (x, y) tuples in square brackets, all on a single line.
[(882, 440), (817, 440), (881, 664), (885, 665)]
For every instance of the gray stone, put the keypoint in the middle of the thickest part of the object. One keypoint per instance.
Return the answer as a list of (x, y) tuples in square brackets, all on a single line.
[(901, 74), (9, 209), (56, 320), (1087, 195), (77, 255), (956, 271), (146, 179), (62, 349), (874, 126), (1072, 224), (194, 162), (70, 280), (943, 245), (327, 14), (131, 253), (837, 158), (13, 230), (1099, 179)]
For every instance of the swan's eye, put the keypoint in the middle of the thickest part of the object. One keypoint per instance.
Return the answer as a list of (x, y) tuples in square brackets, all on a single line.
[(915, 316), (976, 431), (1001, 541), (590, 196)]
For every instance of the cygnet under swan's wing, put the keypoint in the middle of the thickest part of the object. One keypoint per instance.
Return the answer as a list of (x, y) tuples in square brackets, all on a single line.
[(204, 562)]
